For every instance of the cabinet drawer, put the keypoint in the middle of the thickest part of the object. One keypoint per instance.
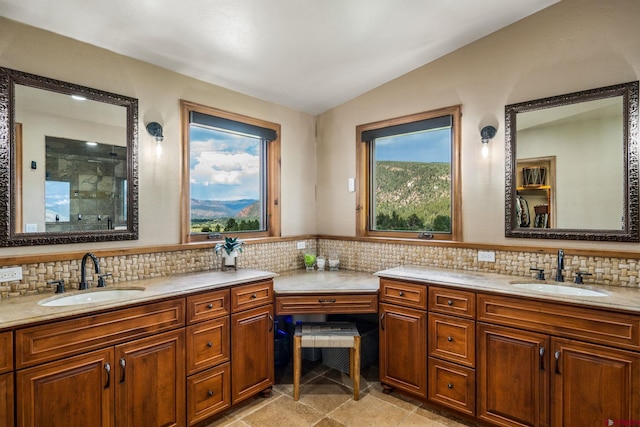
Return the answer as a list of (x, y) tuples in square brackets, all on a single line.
[(452, 301), (207, 306), (68, 337), (6, 352), (207, 344), (403, 293), (452, 339), (589, 324), (208, 393), (452, 386), (253, 295), (326, 304)]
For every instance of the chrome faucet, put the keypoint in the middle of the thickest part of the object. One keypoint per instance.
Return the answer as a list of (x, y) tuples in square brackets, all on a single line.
[(83, 269), (559, 276)]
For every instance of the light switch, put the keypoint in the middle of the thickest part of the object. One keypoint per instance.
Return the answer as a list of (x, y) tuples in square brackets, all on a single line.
[(352, 185)]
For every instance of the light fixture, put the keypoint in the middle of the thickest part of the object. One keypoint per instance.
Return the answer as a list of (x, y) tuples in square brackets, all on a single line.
[(487, 133), (155, 130)]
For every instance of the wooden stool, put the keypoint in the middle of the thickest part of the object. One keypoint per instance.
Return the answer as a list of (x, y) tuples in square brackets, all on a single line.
[(327, 334)]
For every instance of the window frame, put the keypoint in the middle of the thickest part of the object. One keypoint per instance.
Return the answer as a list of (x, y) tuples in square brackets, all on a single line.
[(272, 185), (364, 176)]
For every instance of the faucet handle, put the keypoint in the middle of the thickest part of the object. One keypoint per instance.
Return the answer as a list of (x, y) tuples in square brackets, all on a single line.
[(59, 285), (540, 274), (101, 282), (579, 274)]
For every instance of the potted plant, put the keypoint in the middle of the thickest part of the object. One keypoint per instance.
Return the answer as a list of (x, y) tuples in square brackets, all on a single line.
[(229, 251)]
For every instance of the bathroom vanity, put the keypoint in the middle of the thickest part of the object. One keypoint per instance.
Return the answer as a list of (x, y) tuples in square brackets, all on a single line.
[(179, 351), (183, 350), (478, 346)]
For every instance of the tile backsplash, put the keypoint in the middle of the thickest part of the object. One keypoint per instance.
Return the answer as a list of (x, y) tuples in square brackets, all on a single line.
[(354, 255)]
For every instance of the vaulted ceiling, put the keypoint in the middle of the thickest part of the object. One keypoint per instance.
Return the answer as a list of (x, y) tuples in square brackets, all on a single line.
[(309, 55)]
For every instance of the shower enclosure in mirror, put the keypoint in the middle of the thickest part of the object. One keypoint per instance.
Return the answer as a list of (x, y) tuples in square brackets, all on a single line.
[(572, 166), (71, 156)]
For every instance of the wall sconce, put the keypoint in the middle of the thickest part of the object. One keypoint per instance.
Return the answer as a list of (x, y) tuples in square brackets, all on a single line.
[(487, 133), (155, 130)]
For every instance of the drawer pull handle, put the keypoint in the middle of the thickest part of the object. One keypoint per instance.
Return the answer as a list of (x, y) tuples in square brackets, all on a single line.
[(382, 321), (449, 302), (209, 344), (401, 293), (556, 355), (271, 322), (450, 339), (323, 301), (449, 385), (107, 367), (254, 296), (123, 363), (209, 306), (210, 393), (542, 358)]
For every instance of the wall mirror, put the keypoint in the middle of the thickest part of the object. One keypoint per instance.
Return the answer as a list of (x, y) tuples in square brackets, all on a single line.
[(68, 156), (572, 166)]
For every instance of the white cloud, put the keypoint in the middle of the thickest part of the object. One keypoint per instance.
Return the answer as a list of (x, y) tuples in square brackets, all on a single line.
[(224, 168)]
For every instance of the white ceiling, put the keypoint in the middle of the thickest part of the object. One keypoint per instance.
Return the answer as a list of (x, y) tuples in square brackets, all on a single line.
[(310, 55)]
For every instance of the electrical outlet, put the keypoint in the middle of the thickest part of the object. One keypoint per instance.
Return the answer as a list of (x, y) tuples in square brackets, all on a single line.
[(10, 274), (301, 245), (487, 256)]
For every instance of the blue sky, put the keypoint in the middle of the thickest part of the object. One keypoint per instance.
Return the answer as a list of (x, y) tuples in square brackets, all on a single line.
[(57, 200), (428, 146), (224, 166)]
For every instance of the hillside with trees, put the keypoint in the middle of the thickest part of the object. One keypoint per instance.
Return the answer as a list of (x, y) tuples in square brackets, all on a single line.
[(413, 196)]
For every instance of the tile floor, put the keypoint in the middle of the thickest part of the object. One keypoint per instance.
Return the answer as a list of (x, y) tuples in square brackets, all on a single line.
[(326, 400)]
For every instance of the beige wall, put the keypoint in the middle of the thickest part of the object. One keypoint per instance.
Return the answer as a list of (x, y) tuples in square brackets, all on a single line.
[(571, 46), (158, 92)]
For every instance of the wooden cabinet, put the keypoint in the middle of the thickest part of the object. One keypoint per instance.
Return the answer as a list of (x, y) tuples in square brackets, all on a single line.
[(403, 348), (150, 381), (252, 340), (208, 355), (513, 376), (6, 379), (452, 349), (6, 400), (593, 385), (77, 391), (125, 367), (536, 366), (137, 383)]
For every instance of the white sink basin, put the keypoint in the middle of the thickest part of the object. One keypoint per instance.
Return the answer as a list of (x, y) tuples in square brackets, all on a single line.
[(547, 288), (89, 297)]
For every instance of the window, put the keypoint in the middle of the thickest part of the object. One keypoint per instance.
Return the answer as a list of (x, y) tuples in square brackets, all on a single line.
[(408, 177), (231, 174)]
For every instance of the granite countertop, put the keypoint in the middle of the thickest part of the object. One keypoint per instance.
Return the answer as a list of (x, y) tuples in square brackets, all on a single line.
[(24, 310), (617, 298), (341, 281)]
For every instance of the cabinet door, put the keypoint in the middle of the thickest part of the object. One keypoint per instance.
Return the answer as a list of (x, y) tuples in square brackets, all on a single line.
[(513, 376), (592, 384), (252, 368), (150, 381), (403, 348), (74, 392), (6, 400)]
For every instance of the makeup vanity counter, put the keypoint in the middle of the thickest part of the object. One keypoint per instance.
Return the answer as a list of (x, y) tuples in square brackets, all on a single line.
[(326, 292)]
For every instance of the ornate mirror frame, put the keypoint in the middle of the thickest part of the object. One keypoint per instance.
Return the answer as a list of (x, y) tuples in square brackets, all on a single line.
[(630, 231), (9, 155)]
